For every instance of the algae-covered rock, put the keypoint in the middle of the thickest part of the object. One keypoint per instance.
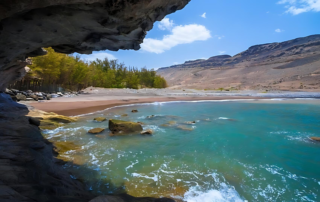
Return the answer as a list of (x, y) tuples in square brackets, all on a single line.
[(116, 126), (96, 130), (315, 138), (134, 111), (50, 120), (124, 115), (100, 119), (62, 147)]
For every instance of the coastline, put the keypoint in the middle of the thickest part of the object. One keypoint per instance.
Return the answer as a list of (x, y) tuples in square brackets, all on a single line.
[(76, 108)]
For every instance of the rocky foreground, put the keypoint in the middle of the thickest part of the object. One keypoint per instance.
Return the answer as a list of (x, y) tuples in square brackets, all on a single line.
[(30, 169)]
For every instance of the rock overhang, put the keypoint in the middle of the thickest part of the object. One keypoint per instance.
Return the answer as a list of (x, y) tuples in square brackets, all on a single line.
[(80, 26)]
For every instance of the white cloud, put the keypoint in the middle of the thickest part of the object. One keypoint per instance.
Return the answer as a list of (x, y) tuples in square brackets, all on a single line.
[(296, 7), (166, 24), (179, 35), (220, 36), (278, 30), (222, 52), (204, 15), (98, 55)]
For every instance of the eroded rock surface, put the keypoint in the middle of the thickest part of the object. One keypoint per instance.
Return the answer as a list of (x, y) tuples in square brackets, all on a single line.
[(71, 26), (117, 126)]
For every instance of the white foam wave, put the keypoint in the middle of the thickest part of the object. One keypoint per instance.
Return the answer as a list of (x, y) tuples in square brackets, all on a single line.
[(223, 118), (224, 194), (154, 178)]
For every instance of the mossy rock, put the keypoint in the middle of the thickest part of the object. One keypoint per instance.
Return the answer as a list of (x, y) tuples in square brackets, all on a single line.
[(134, 111), (124, 115), (116, 126), (62, 147), (49, 125), (96, 130), (100, 119), (60, 118)]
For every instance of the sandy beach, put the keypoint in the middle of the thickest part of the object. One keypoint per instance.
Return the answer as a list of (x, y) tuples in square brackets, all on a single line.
[(95, 99)]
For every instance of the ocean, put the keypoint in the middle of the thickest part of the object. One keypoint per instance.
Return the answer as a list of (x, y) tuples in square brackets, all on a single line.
[(240, 150)]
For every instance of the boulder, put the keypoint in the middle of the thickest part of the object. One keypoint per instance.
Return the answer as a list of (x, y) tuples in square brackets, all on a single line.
[(35, 121), (29, 99), (116, 126), (315, 138), (147, 132), (96, 130), (49, 97), (134, 111), (21, 97), (40, 98), (34, 97), (29, 91), (100, 119)]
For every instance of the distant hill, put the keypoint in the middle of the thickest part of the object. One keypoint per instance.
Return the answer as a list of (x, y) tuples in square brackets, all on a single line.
[(290, 65)]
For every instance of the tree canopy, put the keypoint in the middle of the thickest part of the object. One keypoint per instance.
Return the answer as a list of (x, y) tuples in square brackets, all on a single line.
[(68, 71)]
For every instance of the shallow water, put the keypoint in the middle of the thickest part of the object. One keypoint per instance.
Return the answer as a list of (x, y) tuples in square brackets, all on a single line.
[(236, 151)]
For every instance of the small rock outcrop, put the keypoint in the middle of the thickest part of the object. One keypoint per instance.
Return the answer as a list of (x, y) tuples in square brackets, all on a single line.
[(147, 132), (117, 126), (315, 138), (100, 119), (96, 130), (134, 111)]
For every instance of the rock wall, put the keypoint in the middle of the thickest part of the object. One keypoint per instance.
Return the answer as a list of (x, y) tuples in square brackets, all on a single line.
[(72, 26), (28, 169)]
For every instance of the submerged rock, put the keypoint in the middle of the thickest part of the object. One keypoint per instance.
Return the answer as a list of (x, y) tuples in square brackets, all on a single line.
[(116, 126), (124, 115), (315, 138), (100, 119), (184, 128), (190, 122), (96, 130), (147, 132)]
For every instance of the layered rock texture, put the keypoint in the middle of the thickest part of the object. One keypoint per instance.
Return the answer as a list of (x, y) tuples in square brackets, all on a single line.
[(29, 170), (290, 65), (72, 26)]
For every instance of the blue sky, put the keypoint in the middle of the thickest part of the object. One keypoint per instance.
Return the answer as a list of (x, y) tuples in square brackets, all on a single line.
[(205, 28)]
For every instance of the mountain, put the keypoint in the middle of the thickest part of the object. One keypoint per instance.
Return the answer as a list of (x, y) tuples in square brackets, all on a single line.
[(290, 65)]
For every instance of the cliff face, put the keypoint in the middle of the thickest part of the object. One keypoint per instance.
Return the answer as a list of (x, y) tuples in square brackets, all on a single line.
[(267, 66), (29, 171), (71, 26)]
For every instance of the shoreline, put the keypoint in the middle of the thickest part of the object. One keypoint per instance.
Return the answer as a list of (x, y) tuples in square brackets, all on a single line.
[(77, 108)]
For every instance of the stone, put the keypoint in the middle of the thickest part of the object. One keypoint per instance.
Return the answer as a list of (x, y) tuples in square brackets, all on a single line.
[(21, 97), (134, 111), (184, 128), (29, 91), (96, 130), (34, 121), (124, 115), (190, 122), (34, 97), (147, 132), (29, 99), (100, 119), (40, 98), (315, 138), (116, 126), (49, 97)]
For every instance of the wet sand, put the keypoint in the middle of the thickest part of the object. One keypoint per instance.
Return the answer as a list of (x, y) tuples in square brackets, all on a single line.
[(79, 106)]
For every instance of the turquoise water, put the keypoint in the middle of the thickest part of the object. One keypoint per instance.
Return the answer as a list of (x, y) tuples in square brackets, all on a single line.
[(236, 151)]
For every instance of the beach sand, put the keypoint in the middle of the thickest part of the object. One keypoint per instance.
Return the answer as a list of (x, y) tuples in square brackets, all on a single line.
[(95, 99)]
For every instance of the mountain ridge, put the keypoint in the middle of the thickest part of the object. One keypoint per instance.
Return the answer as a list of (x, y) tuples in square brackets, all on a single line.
[(285, 57)]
